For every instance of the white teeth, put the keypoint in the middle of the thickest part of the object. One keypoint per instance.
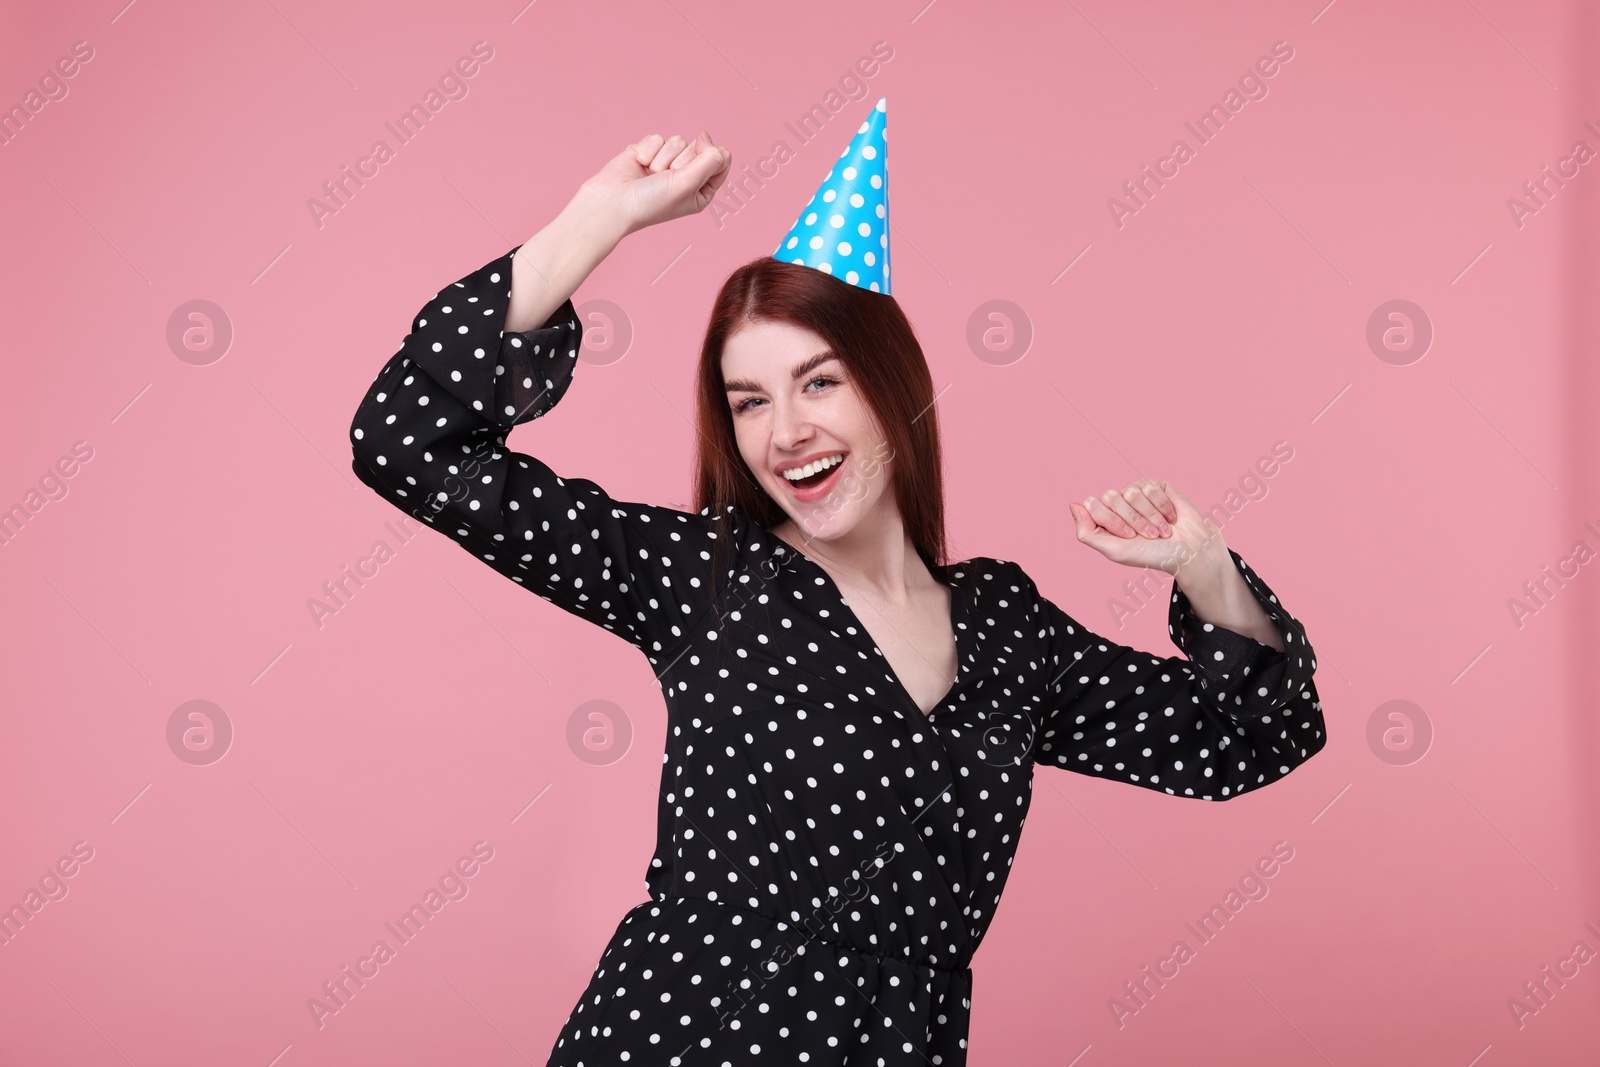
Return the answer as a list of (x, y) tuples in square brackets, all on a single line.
[(794, 474)]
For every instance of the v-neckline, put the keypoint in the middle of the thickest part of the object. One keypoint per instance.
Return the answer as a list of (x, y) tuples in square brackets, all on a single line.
[(941, 573)]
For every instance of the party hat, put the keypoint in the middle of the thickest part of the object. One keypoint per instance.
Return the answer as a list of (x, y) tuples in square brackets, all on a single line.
[(844, 229)]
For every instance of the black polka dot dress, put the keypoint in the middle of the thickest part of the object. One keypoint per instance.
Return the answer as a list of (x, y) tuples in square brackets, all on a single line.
[(828, 856)]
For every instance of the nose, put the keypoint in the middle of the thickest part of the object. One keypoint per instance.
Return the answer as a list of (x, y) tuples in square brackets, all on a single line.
[(790, 427)]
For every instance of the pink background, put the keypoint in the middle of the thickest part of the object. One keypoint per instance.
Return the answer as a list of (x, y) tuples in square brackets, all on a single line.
[(1228, 314)]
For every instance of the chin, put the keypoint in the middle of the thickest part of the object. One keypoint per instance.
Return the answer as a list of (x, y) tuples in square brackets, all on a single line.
[(827, 520), (823, 526)]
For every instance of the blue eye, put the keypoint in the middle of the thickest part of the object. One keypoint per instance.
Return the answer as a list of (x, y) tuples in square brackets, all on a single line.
[(743, 405)]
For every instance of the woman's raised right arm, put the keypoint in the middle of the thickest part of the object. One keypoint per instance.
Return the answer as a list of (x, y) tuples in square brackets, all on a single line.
[(429, 437), (549, 267)]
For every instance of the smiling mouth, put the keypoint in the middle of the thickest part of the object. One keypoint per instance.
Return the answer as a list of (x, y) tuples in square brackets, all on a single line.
[(812, 479), (816, 478)]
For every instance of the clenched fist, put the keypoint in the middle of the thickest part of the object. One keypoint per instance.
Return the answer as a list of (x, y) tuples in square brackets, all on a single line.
[(659, 178)]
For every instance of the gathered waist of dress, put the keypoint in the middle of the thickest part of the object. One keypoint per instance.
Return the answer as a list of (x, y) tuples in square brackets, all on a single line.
[(802, 932)]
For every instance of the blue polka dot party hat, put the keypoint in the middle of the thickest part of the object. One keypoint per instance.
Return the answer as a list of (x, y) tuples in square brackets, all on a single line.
[(844, 230)]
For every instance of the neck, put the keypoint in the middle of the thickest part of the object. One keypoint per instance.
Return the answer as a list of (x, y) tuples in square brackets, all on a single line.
[(876, 555)]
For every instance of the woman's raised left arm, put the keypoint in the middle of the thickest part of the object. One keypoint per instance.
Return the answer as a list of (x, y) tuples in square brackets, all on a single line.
[(1237, 711), (1230, 715)]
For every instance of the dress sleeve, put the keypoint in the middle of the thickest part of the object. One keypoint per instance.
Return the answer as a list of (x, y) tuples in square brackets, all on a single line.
[(429, 437), (1230, 715)]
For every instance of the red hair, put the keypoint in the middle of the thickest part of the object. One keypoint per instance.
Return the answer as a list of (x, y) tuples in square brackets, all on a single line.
[(875, 342)]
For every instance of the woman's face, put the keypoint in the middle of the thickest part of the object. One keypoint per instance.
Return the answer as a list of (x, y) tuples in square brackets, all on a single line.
[(792, 404)]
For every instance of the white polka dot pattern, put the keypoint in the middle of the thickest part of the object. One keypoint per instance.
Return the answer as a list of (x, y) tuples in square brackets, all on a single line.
[(828, 857), (430, 438), (1233, 716)]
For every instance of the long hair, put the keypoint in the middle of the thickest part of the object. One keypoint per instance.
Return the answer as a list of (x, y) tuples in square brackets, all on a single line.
[(875, 342)]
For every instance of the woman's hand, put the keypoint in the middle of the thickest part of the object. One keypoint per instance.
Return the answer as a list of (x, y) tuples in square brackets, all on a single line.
[(658, 178), (1150, 524)]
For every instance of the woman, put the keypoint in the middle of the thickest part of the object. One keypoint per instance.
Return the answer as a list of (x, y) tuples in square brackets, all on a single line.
[(853, 723)]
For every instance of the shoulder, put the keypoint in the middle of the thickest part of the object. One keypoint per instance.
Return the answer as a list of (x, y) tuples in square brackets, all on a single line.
[(999, 584), (989, 573), (726, 521), (740, 540), (1005, 590)]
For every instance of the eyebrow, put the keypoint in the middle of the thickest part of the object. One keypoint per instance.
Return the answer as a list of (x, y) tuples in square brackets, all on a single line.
[(743, 385)]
